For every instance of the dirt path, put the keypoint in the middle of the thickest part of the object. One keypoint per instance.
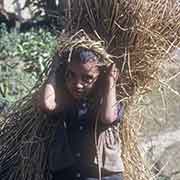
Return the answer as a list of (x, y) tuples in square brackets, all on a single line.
[(160, 142)]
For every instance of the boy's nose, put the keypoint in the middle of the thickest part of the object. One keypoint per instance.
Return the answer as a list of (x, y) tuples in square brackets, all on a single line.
[(79, 84)]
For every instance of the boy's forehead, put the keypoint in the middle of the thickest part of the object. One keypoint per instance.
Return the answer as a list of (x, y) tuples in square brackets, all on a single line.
[(90, 66)]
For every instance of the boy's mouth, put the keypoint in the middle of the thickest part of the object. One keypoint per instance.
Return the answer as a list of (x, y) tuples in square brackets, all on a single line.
[(77, 93)]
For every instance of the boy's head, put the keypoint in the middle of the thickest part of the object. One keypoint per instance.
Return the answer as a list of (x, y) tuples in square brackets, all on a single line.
[(82, 73)]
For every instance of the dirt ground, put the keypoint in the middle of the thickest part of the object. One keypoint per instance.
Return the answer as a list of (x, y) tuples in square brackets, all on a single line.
[(161, 128)]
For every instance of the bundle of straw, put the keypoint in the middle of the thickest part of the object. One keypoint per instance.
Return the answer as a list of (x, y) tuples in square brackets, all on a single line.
[(140, 34), (137, 35)]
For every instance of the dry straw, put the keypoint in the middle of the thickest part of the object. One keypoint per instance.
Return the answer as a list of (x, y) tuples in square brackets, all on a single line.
[(137, 35), (141, 34)]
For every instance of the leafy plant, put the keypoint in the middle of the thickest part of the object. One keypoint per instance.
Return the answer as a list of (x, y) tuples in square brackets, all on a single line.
[(34, 49), (23, 58)]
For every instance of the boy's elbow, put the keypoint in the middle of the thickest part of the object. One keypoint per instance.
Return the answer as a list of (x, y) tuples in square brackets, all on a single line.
[(49, 106), (45, 101), (109, 119)]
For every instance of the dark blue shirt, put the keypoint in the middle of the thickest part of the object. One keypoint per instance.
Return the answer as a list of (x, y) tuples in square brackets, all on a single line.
[(76, 133)]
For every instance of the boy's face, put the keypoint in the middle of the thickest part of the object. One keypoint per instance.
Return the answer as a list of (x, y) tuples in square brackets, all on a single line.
[(81, 77)]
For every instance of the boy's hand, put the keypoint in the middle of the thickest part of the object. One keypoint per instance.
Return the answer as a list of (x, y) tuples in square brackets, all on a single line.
[(108, 106), (112, 75)]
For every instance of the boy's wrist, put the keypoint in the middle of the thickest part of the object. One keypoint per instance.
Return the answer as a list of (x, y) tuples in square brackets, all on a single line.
[(111, 83)]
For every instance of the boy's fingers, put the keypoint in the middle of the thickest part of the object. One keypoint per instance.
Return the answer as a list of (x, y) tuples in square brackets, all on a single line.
[(112, 72)]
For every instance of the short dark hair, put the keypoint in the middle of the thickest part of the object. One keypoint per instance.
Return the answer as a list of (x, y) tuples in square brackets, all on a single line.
[(80, 54)]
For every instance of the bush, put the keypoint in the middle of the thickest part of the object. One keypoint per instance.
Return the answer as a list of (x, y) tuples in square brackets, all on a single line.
[(23, 57)]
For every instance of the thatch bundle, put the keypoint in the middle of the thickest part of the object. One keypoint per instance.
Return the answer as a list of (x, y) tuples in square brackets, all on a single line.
[(137, 35), (141, 34)]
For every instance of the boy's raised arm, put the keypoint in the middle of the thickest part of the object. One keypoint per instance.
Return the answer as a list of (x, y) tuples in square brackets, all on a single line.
[(48, 96), (109, 110)]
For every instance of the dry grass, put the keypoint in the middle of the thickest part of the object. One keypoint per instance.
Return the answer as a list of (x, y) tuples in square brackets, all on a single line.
[(141, 34), (138, 35)]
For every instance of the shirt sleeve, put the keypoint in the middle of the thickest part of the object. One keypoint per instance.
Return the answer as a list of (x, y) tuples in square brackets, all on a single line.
[(119, 118)]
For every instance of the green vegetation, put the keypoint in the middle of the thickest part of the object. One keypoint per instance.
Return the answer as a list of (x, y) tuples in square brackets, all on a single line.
[(23, 57)]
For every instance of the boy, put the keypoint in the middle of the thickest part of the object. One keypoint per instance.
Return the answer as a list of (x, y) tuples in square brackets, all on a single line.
[(83, 93)]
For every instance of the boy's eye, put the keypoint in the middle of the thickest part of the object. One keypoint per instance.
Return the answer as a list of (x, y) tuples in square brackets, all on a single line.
[(87, 78)]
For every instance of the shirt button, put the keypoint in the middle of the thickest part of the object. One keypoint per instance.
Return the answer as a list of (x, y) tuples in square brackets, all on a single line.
[(78, 175), (78, 154), (81, 128)]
